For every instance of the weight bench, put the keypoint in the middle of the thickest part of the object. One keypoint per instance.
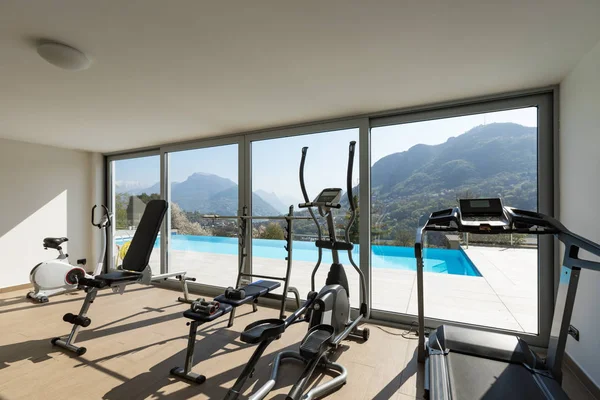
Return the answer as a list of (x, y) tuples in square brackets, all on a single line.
[(134, 269), (227, 306)]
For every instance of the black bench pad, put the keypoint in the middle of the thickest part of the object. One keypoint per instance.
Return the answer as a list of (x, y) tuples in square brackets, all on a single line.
[(253, 291), (223, 309), (118, 277)]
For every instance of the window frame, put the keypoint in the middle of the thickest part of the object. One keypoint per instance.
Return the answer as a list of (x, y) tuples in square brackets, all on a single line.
[(110, 195), (548, 194), (546, 190)]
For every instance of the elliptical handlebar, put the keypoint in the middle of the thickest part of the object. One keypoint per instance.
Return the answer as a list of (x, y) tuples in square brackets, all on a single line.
[(312, 214), (312, 204), (349, 190)]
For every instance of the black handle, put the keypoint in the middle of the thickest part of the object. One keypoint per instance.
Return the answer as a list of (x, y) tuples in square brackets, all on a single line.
[(93, 209), (106, 212), (349, 175), (302, 185)]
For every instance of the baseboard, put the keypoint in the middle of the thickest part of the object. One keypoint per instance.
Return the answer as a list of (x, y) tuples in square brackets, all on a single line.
[(16, 287), (581, 377)]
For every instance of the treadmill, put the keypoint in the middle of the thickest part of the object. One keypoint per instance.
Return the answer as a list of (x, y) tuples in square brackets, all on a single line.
[(466, 363)]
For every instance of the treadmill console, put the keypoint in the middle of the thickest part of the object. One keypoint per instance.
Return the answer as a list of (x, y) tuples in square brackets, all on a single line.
[(485, 213), (478, 208), (328, 196)]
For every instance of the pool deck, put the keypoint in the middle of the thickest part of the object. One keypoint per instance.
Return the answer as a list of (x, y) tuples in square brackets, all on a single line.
[(504, 296)]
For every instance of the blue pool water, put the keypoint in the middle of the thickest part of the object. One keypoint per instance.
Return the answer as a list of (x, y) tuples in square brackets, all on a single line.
[(441, 261)]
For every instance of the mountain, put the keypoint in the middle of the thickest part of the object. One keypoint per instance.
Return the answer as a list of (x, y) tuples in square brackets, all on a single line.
[(488, 160), (209, 194), (273, 200), (128, 186)]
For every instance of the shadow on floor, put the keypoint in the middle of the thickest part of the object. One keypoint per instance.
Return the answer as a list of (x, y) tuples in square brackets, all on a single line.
[(74, 296), (39, 350), (412, 367), (154, 382)]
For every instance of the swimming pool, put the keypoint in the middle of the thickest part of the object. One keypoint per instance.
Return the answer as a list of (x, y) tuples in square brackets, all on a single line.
[(440, 261)]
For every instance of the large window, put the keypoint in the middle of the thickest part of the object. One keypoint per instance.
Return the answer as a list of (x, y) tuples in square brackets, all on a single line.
[(406, 165), (204, 181), (275, 186), (135, 182), (425, 166)]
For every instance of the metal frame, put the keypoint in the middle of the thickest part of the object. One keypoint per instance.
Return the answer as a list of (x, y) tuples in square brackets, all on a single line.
[(547, 155)]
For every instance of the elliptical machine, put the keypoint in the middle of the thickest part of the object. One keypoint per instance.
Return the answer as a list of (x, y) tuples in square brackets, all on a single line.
[(58, 276), (328, 312)]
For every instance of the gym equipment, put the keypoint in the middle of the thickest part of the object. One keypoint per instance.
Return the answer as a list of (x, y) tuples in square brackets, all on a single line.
[(466, 363), (248, 294), (134, 269), (201, 306), (235, 294), (245, 277), (58, 276), (328, 312)]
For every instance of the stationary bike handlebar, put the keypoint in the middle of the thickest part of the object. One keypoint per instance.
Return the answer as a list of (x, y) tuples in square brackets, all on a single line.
[(105, 219)]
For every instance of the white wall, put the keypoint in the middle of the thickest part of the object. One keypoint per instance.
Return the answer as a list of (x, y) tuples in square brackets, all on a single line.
[(580, 196), (44, 191)]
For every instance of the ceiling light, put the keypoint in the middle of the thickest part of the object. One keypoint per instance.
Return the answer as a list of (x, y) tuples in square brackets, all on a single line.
[(63, 56)]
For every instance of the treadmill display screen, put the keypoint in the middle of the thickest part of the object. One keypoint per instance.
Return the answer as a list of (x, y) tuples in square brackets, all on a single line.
[(481, 207), (479, 203)]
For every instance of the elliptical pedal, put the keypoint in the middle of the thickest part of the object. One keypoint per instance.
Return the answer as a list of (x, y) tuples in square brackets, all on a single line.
[(316, 341)]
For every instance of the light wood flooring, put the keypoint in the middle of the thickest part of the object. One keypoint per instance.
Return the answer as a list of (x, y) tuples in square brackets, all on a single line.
[(136, 338)]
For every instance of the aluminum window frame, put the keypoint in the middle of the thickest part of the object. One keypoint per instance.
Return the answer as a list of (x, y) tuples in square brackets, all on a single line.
[(545, 194), (110, 195), (362, 125), (165, 152)]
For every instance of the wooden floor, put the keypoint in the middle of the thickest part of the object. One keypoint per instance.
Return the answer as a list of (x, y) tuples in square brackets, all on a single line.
[(135, 339)]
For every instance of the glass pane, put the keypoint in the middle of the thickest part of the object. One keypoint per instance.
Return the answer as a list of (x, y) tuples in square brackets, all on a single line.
[(204, 181), (276, 186), (426, 166), (136, 182)]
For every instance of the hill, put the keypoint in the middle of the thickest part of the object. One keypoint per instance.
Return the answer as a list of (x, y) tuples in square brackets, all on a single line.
[(488, 160), (273, 200), (209, 194)]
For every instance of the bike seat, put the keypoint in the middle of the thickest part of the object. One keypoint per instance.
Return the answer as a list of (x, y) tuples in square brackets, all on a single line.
[(260, 331), (54, 243), (316, 341)]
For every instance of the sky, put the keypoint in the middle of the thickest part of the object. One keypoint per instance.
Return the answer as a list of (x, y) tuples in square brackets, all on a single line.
[(276, 162)]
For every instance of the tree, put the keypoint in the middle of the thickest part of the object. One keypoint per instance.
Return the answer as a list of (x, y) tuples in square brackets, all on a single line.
[(354, 233), (273, 231), (121, 201), (180, 222)]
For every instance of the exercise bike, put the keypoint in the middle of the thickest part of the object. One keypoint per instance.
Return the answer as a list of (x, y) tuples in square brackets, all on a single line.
[(58, 276), (328, 311)]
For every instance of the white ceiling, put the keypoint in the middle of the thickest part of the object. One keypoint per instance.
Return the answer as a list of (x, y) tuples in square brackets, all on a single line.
[(168, 71)]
